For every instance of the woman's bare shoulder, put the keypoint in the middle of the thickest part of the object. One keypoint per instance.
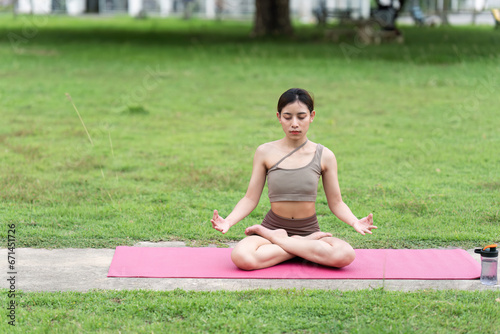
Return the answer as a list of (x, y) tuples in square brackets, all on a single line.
[(267, 153), (268, 148), (327, 153), (328, 159)]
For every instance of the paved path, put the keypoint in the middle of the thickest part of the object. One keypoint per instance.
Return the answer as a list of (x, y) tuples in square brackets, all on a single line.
[(86, 269)]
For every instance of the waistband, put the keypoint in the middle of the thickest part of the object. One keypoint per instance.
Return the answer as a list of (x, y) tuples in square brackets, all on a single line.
[(302, 226)]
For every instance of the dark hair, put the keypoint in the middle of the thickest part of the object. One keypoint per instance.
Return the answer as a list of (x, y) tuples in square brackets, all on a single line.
[(295, 94)]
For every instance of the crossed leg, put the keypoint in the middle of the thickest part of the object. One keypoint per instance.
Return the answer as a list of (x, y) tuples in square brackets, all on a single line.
[(265, 248)]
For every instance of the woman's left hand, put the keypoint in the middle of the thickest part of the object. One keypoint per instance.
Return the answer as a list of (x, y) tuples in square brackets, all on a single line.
[(365, 225)]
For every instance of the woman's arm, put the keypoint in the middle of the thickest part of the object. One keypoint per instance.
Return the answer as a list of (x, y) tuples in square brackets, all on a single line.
[(334, 198), (251, 199)]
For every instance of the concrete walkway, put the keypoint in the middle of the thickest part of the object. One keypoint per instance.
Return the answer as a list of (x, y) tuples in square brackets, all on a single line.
[(86, 269)]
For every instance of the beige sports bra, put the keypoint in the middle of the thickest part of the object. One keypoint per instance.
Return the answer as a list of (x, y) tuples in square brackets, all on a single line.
[(297, 184)]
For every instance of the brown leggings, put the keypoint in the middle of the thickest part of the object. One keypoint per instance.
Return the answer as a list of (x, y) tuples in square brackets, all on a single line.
[(302, 227)]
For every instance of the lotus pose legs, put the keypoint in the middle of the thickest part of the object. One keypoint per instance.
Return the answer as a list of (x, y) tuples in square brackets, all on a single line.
[(265, 247)]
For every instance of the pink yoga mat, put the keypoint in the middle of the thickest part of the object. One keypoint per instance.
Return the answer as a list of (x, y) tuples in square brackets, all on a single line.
[(185, 262)]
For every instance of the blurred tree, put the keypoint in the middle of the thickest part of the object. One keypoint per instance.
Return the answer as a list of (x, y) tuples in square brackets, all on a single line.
[(272, 17), (442, 8)]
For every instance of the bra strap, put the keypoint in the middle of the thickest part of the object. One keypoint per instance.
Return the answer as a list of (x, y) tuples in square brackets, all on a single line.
[(289, 154)]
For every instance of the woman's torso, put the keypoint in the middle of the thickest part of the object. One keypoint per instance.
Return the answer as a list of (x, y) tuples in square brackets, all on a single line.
[(299, 159)]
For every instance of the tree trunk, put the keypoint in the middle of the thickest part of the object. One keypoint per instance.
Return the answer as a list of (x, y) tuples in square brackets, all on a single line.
[(443, 11), (272, 17), (14, 7)]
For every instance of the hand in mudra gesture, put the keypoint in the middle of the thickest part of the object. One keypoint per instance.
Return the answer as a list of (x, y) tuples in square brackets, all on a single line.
[(365, 225), (219, 223)]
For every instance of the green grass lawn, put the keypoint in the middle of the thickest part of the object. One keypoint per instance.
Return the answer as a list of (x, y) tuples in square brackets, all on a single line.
[(175, 111), (259, 311)]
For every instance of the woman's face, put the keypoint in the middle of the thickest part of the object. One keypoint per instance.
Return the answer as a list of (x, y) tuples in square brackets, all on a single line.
[(295, 119)]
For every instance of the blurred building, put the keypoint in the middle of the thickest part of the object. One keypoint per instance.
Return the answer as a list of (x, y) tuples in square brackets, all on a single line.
[(302, 10)]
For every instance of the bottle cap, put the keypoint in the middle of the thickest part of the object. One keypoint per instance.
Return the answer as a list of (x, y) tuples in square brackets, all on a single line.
[(488, 251)]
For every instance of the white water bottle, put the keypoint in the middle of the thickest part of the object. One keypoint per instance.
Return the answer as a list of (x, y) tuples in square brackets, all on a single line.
[(489, 264)]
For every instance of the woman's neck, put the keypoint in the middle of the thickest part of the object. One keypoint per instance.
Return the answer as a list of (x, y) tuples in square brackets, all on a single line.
[(291, 143)]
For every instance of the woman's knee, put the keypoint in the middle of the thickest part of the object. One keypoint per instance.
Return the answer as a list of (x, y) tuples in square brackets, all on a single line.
[(345, 256), (243, 260), (243, 254), (342, 254)]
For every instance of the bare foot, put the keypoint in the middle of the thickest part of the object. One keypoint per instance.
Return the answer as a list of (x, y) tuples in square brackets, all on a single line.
[(314, 236), (266, 233)]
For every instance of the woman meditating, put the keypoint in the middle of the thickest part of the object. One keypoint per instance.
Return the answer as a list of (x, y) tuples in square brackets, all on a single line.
[(292, 166)]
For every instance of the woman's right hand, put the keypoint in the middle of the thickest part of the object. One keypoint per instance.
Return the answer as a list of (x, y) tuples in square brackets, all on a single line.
[(219, 223)]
